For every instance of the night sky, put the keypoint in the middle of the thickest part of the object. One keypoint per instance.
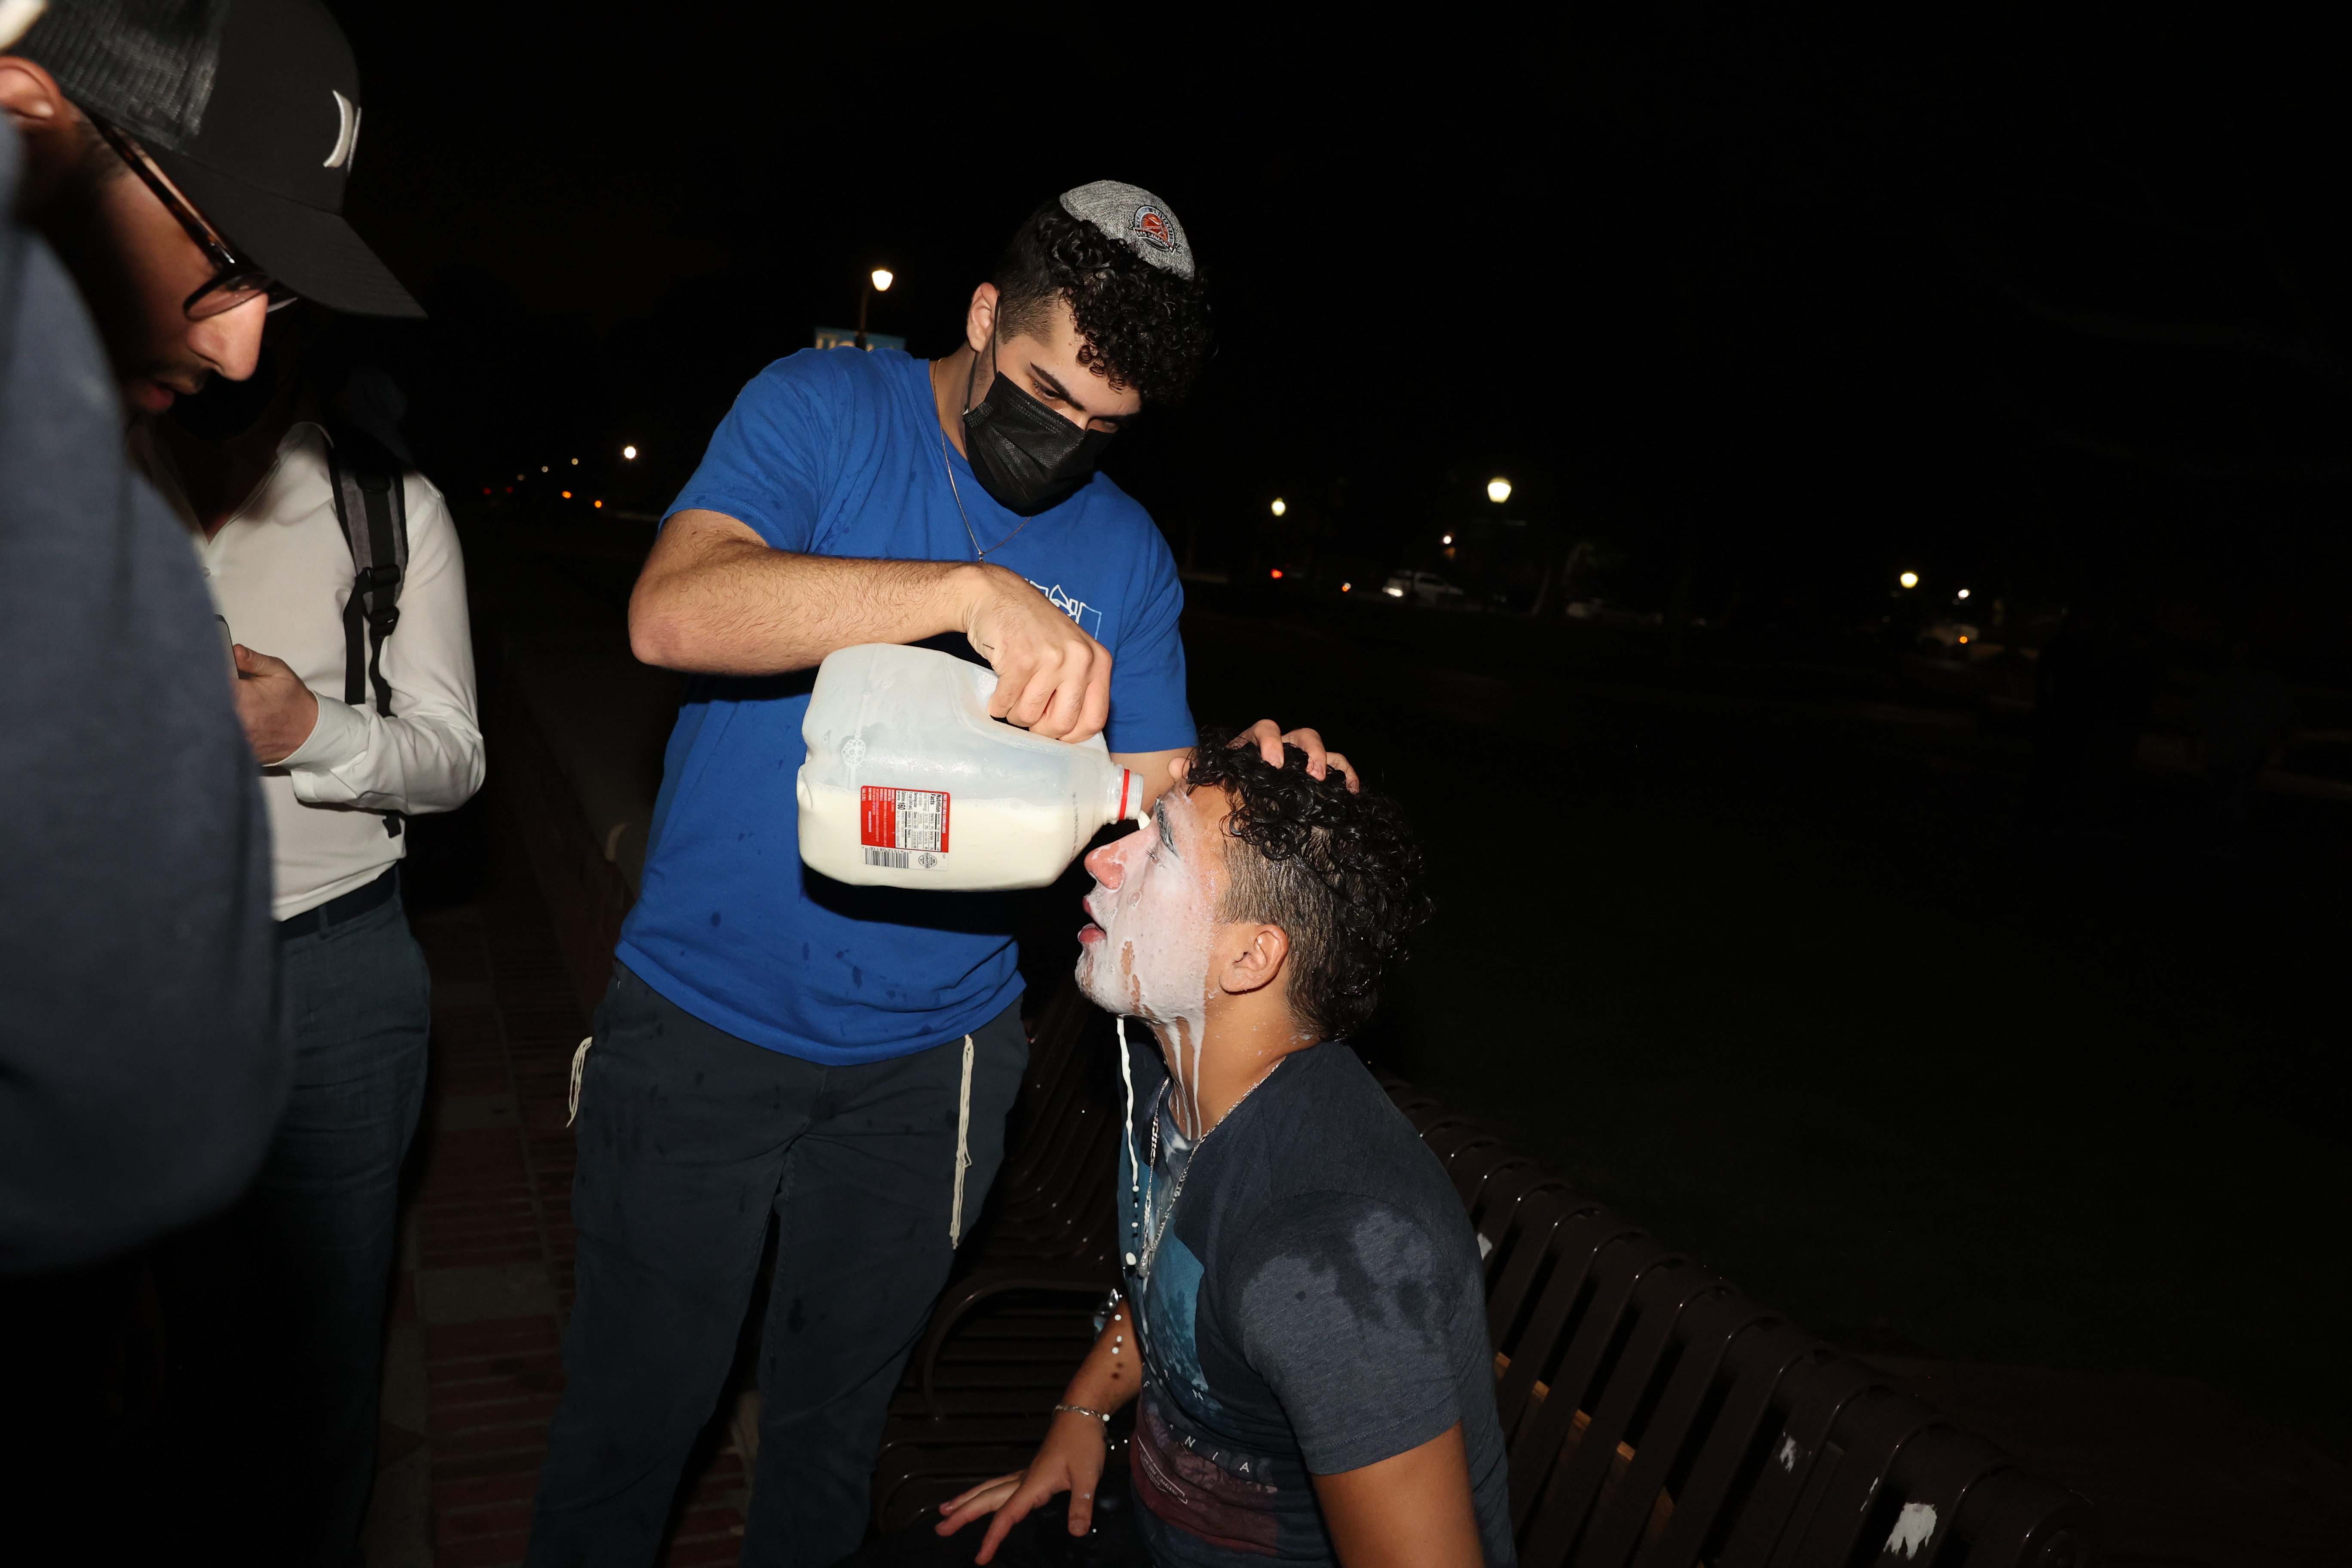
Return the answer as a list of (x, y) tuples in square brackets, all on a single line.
[(1764, 310)]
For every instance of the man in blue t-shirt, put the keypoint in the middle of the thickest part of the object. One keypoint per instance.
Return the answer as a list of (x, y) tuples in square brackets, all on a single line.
[(844, 1058), (1303, 1315)]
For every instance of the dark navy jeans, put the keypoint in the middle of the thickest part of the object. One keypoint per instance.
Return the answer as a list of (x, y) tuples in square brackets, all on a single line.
[(327, 1204), (689, 1138)]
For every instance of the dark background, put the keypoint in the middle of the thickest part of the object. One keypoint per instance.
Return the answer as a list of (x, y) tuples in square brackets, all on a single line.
[(1738, 927), (1764, 310)]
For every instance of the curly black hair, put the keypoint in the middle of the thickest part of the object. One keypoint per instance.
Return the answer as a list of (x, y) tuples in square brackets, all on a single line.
[(1144, 326), (1340, 872)]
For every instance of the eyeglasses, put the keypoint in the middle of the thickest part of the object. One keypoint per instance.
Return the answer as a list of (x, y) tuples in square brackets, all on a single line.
[(235, 281)]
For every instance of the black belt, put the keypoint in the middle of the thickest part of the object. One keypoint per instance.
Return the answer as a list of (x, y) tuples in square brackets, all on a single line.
[(348, 907)]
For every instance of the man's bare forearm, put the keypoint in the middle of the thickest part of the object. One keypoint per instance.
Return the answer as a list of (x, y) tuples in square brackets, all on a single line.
[(713, 600), (1112, 1372)]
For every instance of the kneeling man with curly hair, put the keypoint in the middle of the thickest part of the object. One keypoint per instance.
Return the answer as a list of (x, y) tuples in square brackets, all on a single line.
[(1304, 1317)]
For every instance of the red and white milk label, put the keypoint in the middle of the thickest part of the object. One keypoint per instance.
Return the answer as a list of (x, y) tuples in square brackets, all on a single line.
[(905, 828)]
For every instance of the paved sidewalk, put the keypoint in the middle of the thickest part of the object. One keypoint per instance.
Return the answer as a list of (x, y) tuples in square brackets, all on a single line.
[(473, 1374)]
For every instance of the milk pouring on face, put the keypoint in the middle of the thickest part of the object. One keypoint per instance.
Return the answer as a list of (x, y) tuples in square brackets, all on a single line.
[(909, 784)]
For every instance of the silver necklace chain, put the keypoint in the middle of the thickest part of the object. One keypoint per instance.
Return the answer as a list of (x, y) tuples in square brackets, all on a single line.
[(1153, 1235), (977, 552)]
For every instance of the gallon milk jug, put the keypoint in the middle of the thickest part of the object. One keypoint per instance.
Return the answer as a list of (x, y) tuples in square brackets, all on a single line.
[(909, 784)]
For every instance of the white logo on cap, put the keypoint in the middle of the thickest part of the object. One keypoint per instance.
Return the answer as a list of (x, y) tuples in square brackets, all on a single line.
[(347, 132)]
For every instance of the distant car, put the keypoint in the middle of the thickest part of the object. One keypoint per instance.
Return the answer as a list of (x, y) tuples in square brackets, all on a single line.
[(1422, 588)]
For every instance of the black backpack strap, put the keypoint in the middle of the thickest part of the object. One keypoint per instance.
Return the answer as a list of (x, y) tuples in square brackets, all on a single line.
[(372, 510)]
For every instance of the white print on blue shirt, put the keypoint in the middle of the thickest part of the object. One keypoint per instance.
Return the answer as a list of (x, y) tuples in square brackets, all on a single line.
[(1089, 618)]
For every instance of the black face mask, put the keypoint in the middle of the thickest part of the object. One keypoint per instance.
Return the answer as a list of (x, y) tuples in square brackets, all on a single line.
[(1025, 455)]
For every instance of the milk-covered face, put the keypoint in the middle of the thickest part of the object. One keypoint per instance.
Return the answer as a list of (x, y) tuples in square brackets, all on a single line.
[(1145, 952)]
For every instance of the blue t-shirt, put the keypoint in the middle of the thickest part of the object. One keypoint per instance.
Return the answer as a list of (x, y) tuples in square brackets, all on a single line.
[(840, 453)]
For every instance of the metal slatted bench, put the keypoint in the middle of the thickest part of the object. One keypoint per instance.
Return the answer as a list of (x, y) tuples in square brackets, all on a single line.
[(1655, 1416)]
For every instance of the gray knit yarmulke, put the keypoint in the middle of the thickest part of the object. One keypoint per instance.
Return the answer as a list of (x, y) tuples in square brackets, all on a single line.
[(1134, 214)]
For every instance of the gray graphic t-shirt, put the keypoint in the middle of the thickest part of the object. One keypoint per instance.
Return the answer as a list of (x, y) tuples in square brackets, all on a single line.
[(1314, 1305)]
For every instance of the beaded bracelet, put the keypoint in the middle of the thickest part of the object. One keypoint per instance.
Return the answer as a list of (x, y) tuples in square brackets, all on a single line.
[(1101, 1416)]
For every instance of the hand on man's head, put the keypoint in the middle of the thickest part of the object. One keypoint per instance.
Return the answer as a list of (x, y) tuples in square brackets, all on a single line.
[(1270, 738), (277, 711)]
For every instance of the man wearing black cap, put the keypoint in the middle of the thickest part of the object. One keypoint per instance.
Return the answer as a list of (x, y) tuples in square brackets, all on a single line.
[(238, 121), (187, 159)]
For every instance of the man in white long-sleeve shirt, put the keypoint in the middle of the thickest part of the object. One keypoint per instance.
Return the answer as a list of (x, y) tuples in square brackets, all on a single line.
[(338, 777)]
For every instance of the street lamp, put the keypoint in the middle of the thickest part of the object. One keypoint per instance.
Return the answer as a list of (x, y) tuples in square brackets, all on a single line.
[(630, 453), (1498, 490), (878, 281), (1278, 507), (1909, 579)]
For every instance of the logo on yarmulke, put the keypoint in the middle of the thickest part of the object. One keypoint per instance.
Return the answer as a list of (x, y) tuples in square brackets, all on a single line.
[(1152, 224)]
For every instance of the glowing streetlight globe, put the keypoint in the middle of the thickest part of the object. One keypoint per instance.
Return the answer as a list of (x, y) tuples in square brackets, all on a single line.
[(630, 453), (1278, 507), (882, 280), (1909, 579), (1498, 490), (1963, 594)]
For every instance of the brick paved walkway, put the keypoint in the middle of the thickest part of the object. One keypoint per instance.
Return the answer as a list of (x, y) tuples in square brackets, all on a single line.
[(473, 1372)]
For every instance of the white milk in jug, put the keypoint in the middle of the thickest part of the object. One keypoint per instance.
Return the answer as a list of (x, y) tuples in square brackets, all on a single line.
[(909, 783)]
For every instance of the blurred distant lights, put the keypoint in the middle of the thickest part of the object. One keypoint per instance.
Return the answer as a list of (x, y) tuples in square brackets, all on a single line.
[(1346, 586), (599, 506), (576, 462), (1962, 595), (542, 467), (1909, 579), (567, 495), (1447, 540), (882, 279), (1498, 490), (1277, 571), (630, 453), (1964, 640), (1393, 592), (1280, 505)]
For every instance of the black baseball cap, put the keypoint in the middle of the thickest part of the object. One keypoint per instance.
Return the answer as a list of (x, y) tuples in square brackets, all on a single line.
[(253, 108)]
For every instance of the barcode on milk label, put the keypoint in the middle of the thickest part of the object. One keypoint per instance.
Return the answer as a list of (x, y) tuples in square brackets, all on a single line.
[(903, 829)]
